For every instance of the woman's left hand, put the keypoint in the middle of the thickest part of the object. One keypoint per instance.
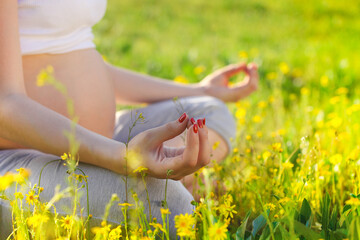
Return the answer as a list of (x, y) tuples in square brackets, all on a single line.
[(217, 83)]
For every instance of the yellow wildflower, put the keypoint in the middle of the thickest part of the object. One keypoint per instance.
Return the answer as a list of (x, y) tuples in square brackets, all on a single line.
[(181, 79), (125, 204), (248, 137), (36, 220), (103, 231), (215, 146), (277, 147), (184, 225), (256, 119), (334, 100), (353, 202), (6, 181), (218, 231), (271, 99), (342, 91), (24, 172), (115, 233), (270, 206), (262, 104), (44, 76), (297, 73), (31, 198), (284, 200), (67, 222), (336, 159), (324, 81), (227, 210), (284, 68), (19, 195), (288, 165), (304, 91), (281, 132), (157, 226), (243, 54), (240, 113), (140, 169), (64, 156), (271, 75), (266, 155), (165, 211), (199, 69)]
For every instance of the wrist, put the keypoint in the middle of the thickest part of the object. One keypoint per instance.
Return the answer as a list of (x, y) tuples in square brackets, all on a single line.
[(111, 155), (200, 90)]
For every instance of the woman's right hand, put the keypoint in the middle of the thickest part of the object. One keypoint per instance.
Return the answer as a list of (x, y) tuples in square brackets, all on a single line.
[(158, 159)]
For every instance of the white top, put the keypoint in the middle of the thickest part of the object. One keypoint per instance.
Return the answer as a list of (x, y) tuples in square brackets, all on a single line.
[(58, 26)]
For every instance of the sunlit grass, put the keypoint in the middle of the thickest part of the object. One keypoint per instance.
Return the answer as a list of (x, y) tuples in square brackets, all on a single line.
[(296, 158)]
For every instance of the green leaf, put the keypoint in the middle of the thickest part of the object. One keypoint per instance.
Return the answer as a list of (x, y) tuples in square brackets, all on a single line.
[(258, 224), (305, 212), (305, 231), (281, 233), (293, 157), (354, 228), (325, 213), (346, 207), (240, 232), (344, 216), (266, 232), (333, 220), (340, 234)]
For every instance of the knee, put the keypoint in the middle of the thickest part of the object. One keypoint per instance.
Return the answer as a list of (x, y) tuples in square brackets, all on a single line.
[(203, 103), (217, 114)]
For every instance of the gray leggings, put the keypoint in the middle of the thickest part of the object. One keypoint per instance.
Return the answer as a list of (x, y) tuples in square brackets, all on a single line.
[(102, 182)]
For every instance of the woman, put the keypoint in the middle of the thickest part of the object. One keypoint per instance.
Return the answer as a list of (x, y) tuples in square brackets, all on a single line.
[(38, 33)]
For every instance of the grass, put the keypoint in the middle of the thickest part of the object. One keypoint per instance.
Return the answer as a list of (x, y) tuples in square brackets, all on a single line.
[(294, 170)]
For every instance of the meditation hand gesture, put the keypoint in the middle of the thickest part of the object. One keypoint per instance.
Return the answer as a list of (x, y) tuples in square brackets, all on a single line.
[(183, 161), (217, 83)]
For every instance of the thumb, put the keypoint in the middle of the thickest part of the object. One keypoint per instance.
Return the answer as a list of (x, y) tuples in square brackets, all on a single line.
[(169, 130)]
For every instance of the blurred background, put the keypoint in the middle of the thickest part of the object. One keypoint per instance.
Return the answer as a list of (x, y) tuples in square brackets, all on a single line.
[(312, 43)]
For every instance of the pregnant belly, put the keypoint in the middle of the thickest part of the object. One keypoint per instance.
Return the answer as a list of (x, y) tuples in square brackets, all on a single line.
[(85, 77)]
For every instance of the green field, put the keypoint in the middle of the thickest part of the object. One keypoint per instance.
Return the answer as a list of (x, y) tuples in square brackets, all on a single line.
[(294, 172)]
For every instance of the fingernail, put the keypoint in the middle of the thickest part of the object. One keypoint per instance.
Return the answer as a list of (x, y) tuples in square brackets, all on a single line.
[(199, 122), (182, 117), (195, 128), (192, 120), (204, 121)]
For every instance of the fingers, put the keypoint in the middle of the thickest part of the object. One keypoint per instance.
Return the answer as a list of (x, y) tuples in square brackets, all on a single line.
[(168, 131), (191, 152), (253, 77), (196, 153), (185, 163), (204, 145), (252, 66), (233, 69)]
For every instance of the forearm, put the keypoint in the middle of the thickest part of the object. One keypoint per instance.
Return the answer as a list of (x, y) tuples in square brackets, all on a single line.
[(32, 125), (132, 87)]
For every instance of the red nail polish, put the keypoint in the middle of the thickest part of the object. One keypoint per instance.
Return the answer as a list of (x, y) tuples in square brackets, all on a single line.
[(192, 120), (199, 122), (182, 118), (195, 128), (204, 121)]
